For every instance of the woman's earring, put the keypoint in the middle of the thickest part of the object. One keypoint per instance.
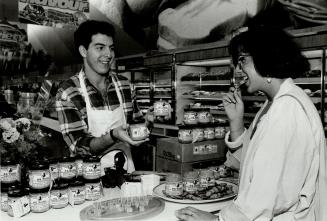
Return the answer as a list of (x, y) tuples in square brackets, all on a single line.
[(268, 80)]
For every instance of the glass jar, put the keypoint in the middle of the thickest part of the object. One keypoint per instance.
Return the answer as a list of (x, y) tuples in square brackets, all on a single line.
[(10, 171), (161, 108), (220, 130), (92, 189), (59, 195), (67, 168), (40, 200), (198, 134), (204, 116), (79, 165), (174, 184), (206, 178), (91, 167), (54, 169), (39, 175), (185, 134), (209, 132), (191, 180), (138, 131), (18, 194), (190, 116), (4, 198), (77, 192)]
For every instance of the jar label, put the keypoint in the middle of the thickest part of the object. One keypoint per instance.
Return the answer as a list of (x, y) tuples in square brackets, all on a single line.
[(92, 191), (174, 188), (185, 135), (209, 134), (54, 171), (18, 207), (58, 198), (139, 132), (76, 195), (39, 179), (190, 186), (67, 170), (91, 170), (40, 202), (9, 174), (4, 202), (79, 167), (220, 132), (161, 109)]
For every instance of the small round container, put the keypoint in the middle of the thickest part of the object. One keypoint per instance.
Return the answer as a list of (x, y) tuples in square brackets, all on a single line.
[(206, 178), (39, 175), (77, 192), (10, 171), (4, 198), (161, 108), (91, 168), (138, 131), (220, 130), (54, 168), (209, 132), (191, 181), (79, 165), (204, 116), (190, 116), (67, 168), (17, 193), (40, 200), (198, 134), (92, 189), (59, 195), (174, 184), (185, 134)]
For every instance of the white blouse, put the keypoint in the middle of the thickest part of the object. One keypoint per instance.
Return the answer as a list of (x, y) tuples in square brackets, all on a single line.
[(279, 177)]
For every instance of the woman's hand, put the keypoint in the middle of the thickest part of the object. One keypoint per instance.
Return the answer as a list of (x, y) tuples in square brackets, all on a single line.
[(121, 134), (190, 213), (234, 105)]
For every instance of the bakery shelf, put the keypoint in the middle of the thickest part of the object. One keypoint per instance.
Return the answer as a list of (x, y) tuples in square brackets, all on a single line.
[(206, 83)]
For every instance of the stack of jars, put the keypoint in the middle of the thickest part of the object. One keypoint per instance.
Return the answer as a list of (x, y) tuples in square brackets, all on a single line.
[(198, 126)]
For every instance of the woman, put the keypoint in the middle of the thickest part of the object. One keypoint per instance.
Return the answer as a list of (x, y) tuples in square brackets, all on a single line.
[(282, 154)]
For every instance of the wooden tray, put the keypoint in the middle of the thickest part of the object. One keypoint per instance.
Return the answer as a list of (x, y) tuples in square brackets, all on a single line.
[(154, 207)]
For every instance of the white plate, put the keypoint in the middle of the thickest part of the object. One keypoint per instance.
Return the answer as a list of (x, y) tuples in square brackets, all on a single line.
[(157, 191)]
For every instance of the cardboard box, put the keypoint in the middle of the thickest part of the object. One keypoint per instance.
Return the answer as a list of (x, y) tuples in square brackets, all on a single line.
[(171, 149)]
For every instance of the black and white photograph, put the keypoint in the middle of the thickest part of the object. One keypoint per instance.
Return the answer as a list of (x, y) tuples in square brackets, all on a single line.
[(163, 110)]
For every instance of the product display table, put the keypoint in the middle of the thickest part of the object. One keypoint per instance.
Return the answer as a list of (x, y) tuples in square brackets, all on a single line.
[(73, 213)]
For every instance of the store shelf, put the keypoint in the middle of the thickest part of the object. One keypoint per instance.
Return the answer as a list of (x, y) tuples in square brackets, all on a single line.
[(315, 80), (217, 112), (162, 97), (206, 83), (141, 86), (162, 86)]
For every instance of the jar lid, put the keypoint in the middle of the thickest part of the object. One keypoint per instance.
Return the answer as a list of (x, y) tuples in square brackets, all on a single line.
[(59, 186), (67, 159), (91, 159), (17, 191), (43, 190), (77, 182), (53, 160), (173, 177), (97, 180), (141, 121), (206, 109), (9, 161), (39, 165), (183, 126), (191, 174), (191, 109)]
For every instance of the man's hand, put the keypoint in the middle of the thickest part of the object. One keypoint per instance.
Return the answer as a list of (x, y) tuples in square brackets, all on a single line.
[(149, 118)]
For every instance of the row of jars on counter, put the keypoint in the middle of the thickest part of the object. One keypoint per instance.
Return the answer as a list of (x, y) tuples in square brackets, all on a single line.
[(50, 183)]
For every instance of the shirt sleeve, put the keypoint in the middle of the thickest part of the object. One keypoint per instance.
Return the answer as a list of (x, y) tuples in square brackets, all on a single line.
[(72, 125), (282, 154)]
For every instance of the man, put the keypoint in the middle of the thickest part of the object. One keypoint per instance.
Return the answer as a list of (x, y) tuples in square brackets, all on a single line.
[(95, 105)]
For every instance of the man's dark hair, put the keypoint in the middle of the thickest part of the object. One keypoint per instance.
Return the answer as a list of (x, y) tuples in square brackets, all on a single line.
[(273, 51), (83, 34)]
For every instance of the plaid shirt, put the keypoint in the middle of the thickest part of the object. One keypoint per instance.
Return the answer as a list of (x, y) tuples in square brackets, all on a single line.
[(71, 108)]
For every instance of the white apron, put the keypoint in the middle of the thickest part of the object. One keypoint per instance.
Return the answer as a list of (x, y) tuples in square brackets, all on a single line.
[(101, 121)]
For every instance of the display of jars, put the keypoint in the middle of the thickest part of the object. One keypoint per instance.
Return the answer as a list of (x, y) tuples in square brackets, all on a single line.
[(209, 132), (77, 192), (204, 116), (39, 175), (39, 200), (185, 134), (93, 189), (91, 168), (191, 181), (67, 168), (190, 116), (220, 130), (161, 108), (138, 131), (10, 171), (15, 194), (59, 195), (174, 184)]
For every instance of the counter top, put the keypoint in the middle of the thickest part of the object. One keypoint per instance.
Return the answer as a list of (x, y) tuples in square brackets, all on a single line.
[(73, 213)]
